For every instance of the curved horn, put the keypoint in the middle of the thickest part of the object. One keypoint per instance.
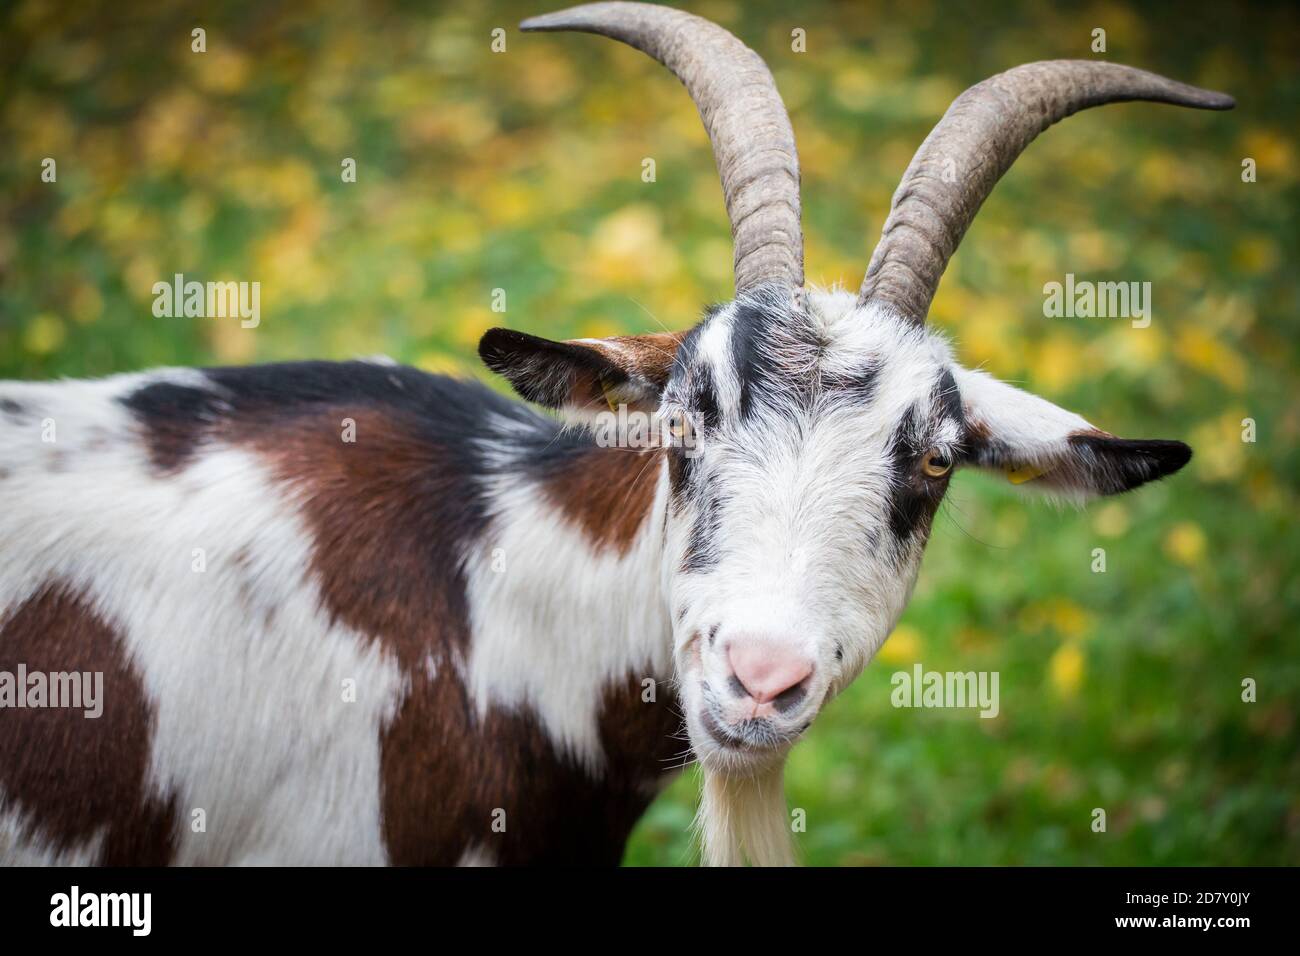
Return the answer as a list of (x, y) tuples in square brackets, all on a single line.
[(745, 118), (977, 140)]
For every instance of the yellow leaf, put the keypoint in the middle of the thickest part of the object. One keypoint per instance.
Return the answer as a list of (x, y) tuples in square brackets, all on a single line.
[(231, 343), (472, 323), (629, 246), (44, 334), (600, 329), (1110, 520), (87, 303), (1069, 619), (1058, 366), (901, 647), (1220, 452), (1206, 354), (1272, 151), (1185, 543), (1255, 255), (1066, 669), (221, 69), (440, 363)]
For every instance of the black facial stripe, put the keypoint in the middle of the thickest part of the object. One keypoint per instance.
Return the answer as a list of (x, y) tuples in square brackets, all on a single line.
[(905, 511), (758, 337), (751, 365), (947, 399), (980, 448), (704, 399), (914, 497), (701, 555), (689, 495), (681, 475), (858, 387)]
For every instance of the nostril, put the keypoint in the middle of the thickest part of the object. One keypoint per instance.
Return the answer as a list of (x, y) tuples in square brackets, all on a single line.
[(792, 697), (766, 671)]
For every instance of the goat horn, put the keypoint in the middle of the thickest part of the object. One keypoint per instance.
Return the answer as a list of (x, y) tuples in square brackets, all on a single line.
[(753, 143), (974, 143)]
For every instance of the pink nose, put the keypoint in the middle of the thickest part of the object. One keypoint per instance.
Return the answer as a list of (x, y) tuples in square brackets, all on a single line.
[(766, 669)]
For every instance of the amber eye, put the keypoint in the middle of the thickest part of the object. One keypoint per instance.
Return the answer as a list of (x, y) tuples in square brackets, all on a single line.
[(936, 463), (677, 425)]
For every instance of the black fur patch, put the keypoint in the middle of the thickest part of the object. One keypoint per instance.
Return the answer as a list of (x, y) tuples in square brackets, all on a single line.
[(683, 481), (541, 370), (15, 411), (700, 554), (774, 352), (1111, 465), (947, 399), (704, 399), (446, 412), (858, 387), (915, 496), (905, 504), (176, 418)]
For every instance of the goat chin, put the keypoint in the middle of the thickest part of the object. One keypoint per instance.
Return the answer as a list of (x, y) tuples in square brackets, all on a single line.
[(742, 818)]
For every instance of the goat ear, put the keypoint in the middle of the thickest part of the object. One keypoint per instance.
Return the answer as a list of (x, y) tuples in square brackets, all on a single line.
[(1039, 444), (583, 376)]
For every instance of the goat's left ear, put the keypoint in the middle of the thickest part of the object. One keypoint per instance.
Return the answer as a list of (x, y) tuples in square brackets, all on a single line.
[(583, 376), (1037, 443)]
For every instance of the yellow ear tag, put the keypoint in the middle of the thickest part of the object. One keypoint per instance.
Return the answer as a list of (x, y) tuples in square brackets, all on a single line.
[(1018, 476), (609, 395)]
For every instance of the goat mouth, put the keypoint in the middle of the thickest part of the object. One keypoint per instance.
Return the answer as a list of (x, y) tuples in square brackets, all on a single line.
[(719, 733), (755, 734)]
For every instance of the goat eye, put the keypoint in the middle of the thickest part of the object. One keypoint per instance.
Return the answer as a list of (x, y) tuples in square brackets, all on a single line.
[(936, 463), (677, 425)]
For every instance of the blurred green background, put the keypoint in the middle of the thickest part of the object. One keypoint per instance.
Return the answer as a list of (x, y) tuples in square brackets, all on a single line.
[(521, 170)]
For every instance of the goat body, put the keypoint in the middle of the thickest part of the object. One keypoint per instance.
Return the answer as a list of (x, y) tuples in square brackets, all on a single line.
[(441, 641)]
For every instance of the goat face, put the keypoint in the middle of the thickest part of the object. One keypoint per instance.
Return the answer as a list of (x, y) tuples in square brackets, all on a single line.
[(822, 445), (809, 441)]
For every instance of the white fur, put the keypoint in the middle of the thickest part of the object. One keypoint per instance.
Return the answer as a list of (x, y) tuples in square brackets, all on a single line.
[(561, 621), (242, 666)]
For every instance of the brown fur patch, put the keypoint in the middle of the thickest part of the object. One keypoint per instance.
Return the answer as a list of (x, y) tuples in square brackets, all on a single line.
[(72, 775), (388, 515), (651, 356), (607, 492), (453, 781)]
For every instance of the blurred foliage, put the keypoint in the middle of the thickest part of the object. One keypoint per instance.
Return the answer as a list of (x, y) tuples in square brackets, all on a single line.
[(522, 171)]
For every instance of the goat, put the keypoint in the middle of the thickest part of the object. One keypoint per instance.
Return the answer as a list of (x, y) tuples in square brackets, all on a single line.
[(355, 613)]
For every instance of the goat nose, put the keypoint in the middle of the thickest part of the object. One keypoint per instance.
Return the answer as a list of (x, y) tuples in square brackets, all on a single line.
[(765, 669)]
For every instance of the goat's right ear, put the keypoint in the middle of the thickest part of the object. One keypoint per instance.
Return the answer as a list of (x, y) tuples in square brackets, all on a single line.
[(583, 376), (1031, 440)]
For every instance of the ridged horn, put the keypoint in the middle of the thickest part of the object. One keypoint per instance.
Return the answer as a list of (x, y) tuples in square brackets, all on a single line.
[(974, 143), (747, 124)]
